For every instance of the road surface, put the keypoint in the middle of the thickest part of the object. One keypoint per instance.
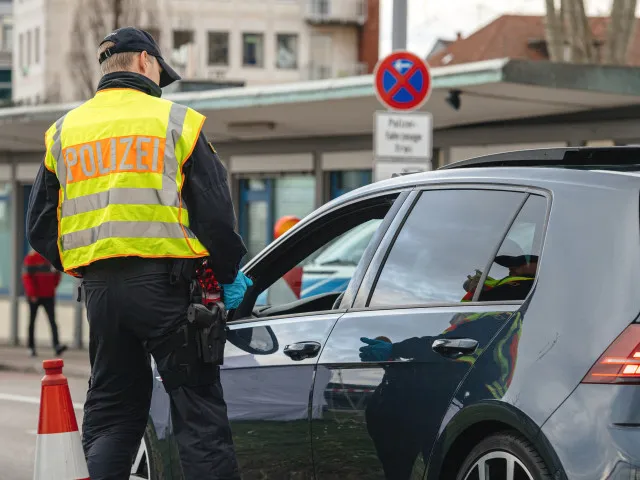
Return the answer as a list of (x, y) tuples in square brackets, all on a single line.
[(19, 411)]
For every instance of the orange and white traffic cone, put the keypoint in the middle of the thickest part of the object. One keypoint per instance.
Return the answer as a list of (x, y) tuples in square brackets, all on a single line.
[(59, 454)]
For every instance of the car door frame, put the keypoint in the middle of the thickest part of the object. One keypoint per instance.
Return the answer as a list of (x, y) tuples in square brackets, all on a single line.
[(370, 277)]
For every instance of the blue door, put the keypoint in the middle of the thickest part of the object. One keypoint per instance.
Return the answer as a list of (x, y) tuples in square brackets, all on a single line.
[(256, 214)]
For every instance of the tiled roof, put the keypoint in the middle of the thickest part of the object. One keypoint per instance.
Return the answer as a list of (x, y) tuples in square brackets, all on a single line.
[(517, 37)]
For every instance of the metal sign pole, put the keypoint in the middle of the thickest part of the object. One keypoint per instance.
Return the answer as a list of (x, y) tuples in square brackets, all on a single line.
[(399, 29)]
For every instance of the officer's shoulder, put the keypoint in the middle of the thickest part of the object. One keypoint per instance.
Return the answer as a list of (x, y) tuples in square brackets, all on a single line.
[(54, 126)]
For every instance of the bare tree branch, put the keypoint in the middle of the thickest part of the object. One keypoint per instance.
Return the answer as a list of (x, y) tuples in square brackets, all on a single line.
[(620, 31), (81, 68), (554, 32), (92, 21), (579, 35), (571, 28)]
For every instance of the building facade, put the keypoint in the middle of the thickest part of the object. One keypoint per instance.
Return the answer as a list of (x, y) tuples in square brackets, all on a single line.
[(6, 46), (251, 42)]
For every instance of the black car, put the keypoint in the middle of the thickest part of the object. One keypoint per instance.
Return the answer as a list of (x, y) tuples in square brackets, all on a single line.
[(490, 330)]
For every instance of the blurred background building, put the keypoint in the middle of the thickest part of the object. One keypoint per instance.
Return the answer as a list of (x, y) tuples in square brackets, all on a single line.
[(6, 47), (212, 44)]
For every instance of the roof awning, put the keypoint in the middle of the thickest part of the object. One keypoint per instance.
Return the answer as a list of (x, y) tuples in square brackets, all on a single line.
[(490, 91)]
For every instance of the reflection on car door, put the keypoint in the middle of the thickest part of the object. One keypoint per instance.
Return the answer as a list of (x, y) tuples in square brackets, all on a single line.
[(384, 404), (267, 387)]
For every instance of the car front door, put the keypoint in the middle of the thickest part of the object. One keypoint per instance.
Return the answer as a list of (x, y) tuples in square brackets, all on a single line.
[(408, 338), (278, 332)]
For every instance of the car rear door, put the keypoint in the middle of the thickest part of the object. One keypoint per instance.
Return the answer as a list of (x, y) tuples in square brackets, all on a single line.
[(382, 408)]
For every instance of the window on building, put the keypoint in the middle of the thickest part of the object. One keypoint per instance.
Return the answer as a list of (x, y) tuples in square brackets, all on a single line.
[(320, 7), (253, 49), (448, 235), (7, 37), (36, 41), (287, 51), (182, 37), (218, 48), (28, 48), (181, 40)]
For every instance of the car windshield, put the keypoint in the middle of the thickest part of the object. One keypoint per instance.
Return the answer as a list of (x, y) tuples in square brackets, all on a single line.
[(345, 250)]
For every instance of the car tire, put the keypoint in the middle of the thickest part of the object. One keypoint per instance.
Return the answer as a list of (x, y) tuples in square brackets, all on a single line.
[(496, 451)]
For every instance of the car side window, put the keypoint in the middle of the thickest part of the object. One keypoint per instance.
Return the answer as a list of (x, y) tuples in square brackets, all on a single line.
[(329, 269), (514, 268), (447, 235)]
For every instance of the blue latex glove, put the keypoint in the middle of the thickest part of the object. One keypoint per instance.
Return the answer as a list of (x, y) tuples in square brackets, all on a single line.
[(375, 350), (233, 293)]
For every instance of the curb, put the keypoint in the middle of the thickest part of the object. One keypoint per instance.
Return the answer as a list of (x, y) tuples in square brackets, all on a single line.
[(69, 371)]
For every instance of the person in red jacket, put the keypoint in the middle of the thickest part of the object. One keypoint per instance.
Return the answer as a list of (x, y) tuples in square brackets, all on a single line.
[(40, 280)]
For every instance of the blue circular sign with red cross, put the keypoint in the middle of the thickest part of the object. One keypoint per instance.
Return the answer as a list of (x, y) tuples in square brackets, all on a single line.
[(402, 81)]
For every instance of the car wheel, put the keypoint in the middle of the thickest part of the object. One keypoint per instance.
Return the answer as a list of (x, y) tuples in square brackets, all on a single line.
[(504, 456), (142, 464)]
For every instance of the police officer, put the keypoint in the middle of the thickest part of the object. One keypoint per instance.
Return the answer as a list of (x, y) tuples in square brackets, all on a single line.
[(129, 197)]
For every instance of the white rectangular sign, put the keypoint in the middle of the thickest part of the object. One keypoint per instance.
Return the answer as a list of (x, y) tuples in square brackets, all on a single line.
[(403, 135)]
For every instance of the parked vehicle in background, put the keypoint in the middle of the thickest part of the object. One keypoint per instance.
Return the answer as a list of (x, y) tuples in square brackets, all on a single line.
[(380, 370)]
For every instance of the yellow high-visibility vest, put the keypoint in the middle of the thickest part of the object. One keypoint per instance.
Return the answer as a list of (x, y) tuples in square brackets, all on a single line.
[(119, 158)]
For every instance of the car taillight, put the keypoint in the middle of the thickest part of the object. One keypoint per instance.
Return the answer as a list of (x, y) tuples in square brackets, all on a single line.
[(621, 361)]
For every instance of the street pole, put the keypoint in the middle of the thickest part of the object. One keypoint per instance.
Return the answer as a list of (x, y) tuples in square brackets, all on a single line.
[(17, 225), (399, 28)]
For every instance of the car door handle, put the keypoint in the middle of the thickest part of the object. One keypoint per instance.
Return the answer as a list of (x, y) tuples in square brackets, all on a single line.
[(454, 347), (301, 350)]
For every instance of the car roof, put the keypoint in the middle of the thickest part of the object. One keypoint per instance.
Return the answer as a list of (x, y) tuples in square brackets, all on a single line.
[(602, 167), (510, 169)]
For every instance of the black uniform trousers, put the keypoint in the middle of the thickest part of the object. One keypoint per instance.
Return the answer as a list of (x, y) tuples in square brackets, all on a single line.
[(130, 302)]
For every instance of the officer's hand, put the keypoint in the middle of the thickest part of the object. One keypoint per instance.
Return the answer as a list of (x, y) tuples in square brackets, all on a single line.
[(375, 350), (233, 293), (472, 282)]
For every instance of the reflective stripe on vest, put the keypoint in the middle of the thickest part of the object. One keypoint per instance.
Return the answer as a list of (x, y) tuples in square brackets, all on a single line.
[(119, 159)]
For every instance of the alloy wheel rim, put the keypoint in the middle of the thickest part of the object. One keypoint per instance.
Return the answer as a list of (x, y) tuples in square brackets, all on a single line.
[(498, 465), (142, 460)]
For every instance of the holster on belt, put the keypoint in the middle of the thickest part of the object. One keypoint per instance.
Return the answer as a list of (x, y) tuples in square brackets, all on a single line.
[(211, 327)]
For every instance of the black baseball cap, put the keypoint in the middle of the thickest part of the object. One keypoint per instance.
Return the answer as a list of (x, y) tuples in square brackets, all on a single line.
[(130, 39), (510, 261), (513, 255)]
